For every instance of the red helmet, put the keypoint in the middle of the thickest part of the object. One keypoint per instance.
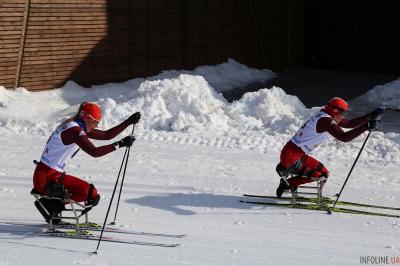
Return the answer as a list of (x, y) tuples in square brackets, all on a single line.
[(90, 110), (337, 105)]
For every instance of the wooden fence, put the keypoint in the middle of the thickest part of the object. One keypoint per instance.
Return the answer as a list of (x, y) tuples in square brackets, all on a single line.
[(44, 43)]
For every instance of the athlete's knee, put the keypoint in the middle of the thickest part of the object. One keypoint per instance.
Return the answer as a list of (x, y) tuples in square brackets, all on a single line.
[(93, 198), (322, 169)]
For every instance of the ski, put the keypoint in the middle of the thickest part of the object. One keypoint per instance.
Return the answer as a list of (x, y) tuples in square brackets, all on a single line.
[(85, 235), (325, 200), (315, 207), (97, 227)]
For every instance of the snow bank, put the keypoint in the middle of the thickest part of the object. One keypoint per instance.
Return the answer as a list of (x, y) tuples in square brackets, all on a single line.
[(225, 76), (268, 108), (185, 107), (186, 104), (387, 94)]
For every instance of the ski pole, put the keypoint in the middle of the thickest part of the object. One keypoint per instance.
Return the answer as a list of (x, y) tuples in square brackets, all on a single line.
[(111, 200), (122, 182), (351, 170)]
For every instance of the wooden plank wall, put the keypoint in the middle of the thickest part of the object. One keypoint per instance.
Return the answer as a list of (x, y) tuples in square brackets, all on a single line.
[(99, 41), (11, 25)]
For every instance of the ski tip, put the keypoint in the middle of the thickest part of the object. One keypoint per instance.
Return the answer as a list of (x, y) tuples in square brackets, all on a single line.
[(329, 212)]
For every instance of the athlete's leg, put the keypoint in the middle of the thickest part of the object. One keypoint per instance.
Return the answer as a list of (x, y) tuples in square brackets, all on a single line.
[(290, 154), (78, 188), (311, 170), (43, 175)]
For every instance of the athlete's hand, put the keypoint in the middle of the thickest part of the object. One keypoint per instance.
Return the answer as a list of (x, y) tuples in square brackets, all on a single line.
[(125, 142), (134, 119), (376, 114), (372, 124)]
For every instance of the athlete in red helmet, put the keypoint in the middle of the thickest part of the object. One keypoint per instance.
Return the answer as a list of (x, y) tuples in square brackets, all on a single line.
[(328, 121), (73, 134)]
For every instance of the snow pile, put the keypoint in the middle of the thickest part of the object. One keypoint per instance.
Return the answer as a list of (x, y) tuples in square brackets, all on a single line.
[(225, 76), (185, 107), (4, 97), (189, 104), (386, 95), (186, 104), (232, 75), (22, 111), (268, 108)]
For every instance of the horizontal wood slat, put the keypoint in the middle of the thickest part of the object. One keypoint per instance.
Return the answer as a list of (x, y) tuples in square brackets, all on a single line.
[(69, 31), (8, 77), (77, 9), (41, 85), (9, 62), (9, 35), (14, 14), (61, 46), (66, 27), (28, 62), (3, 51), (7, 56), (9, 43), (15, 20), (12, 2), (69, 18), (48, 43), (72, 2), (68, 5), (55, 40), (81, 13), (46, 67), (71, 23), (69, 52)]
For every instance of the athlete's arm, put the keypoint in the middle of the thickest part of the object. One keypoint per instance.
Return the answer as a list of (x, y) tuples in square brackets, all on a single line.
[(78, 136), (107, 134), (352, 123), (327, 124)]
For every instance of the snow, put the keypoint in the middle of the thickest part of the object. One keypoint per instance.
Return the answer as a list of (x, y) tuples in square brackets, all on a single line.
[(194, 157), (387, 94)]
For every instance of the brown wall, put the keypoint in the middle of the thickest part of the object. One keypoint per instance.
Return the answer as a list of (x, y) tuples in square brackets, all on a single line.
[(98, 41)]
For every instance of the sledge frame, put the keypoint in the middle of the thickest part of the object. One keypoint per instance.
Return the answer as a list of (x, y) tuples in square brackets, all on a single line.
[(305, 190), (78, 210)]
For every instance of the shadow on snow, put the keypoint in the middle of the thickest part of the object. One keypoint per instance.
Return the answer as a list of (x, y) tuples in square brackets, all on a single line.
[(183, 204)]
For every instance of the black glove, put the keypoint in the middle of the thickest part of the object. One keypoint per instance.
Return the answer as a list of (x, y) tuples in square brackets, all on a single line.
[(133, 119), (372, 124), (125, 142), (376, 114)]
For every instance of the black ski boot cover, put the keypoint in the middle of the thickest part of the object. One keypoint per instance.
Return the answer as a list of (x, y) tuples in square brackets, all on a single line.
[(281, 188), (52, 208)]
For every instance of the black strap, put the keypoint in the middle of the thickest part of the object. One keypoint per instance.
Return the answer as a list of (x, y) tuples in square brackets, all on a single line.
[(320, 167), (73, 155), (61, 178), (311, 173), (90, 192)]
